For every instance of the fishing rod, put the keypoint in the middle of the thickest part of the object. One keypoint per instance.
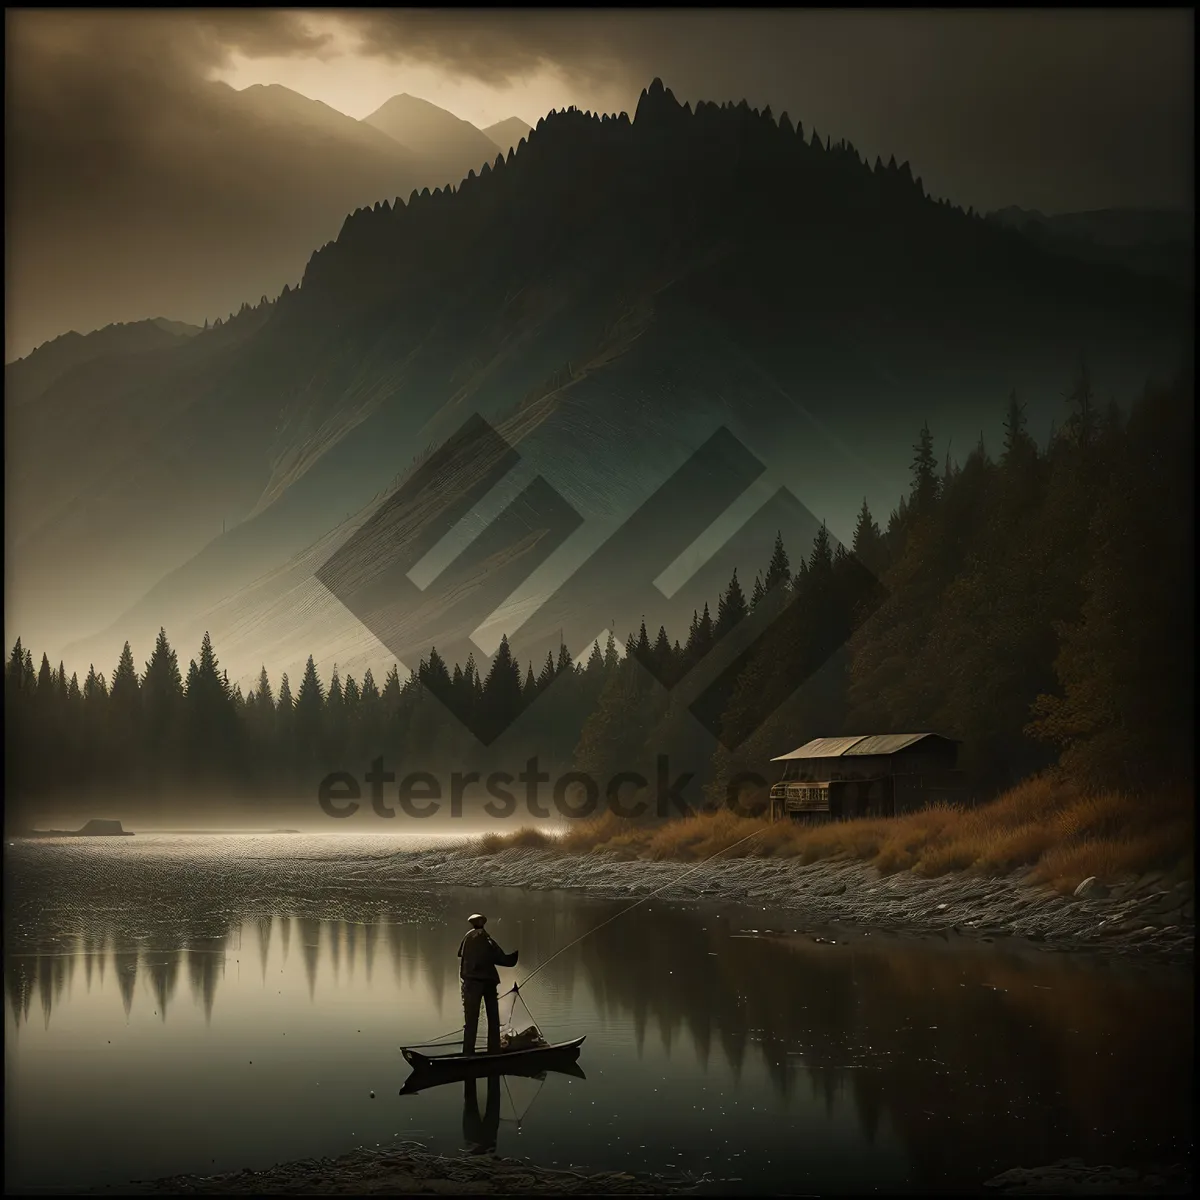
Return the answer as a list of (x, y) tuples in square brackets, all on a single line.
[(515, 990)]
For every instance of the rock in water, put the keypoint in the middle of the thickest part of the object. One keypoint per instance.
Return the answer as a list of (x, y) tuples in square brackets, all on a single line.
[(102, 828)]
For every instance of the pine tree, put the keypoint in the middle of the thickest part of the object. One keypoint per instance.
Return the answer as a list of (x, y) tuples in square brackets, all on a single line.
[(731, 608), (45, 679), (759, 591), (14, 670), (1016, 440), (595, 663), (611, 658), (285, 705), (502, 693), (434, 675), (662, 658), (924, 469), (820, 561), (641, 648), (125, 690), (95, 690), (779, 569), (266, 698), (390, 696), (868, 540), (1081, 423), (309, 720), (335, 701), (546, 678)]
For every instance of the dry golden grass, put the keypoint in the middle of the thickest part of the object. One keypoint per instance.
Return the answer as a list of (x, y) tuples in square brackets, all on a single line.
[(526, 838), (1047, 825)]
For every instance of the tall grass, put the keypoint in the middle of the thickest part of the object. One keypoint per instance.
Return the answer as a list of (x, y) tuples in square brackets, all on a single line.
[(1046, 825)]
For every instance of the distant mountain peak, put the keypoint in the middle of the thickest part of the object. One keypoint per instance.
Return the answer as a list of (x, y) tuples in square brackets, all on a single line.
[(451, 145), (508, 133)]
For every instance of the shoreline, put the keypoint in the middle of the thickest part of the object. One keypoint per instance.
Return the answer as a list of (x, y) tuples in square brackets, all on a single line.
[(1150, 917), (409, 1169), (406, 1169)]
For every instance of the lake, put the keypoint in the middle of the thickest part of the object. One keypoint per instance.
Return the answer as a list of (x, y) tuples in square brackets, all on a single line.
[(202, 1004)]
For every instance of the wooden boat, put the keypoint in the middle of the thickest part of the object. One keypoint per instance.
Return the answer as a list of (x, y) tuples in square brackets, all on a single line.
[(504, 1061), (538, 1068)]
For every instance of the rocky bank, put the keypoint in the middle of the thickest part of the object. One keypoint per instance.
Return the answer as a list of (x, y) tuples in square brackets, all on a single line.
[(404, 1170), (1152, 915)]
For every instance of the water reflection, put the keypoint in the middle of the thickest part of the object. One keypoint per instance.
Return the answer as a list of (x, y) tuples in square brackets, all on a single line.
[(972, 1059), (481, 1132)]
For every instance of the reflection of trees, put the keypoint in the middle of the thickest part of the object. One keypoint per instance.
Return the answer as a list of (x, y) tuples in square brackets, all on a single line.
[(309, 929), (19, 984), (92, 949), (207, 940), (971, 1056), (162, 966), (263, 927), (370, 945)]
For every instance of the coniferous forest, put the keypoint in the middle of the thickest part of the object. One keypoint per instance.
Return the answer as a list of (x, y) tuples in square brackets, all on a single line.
[(1035, 602)]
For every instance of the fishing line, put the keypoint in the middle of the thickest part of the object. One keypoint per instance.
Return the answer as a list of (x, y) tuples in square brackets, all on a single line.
[(671, 883), (516, 987)]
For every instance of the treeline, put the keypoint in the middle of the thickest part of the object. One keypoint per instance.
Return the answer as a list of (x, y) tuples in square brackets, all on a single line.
[(1034, 605)]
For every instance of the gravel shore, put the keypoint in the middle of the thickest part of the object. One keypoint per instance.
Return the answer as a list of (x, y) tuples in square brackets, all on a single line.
[(1150, 916), (1072, 1177), (404, 1170)]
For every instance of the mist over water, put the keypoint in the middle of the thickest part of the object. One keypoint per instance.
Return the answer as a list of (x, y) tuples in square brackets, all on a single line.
[(230, 1001)]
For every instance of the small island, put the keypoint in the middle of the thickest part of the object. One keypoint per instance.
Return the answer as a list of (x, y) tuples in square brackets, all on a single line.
[(93, 828)]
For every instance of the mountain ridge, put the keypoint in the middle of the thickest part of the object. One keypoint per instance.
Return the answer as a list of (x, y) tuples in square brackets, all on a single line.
[(27, 377), (745, 274)]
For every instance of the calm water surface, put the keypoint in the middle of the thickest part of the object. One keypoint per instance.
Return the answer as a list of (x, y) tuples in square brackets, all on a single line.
[(182, 1004)]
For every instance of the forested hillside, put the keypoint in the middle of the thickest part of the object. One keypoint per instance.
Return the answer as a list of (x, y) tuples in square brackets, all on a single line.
[(1035, 602)]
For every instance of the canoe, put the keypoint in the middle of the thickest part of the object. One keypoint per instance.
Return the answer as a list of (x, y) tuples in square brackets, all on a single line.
[(562, 1064), (430, 1063)]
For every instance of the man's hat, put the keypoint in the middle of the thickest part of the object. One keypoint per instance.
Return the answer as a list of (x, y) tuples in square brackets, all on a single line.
[(477, 919)]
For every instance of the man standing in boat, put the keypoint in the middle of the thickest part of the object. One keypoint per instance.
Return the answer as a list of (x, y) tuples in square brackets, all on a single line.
[(480, 957)]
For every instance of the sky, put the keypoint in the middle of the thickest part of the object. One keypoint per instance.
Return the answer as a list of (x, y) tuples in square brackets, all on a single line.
[(1054, 109), (121, 154)]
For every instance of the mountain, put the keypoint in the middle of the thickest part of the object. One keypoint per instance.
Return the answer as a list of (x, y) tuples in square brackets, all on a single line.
[(281, 105), (29, 377), (450, 146), (608, 297), (232, 190), (509, 132), (1150, 241)]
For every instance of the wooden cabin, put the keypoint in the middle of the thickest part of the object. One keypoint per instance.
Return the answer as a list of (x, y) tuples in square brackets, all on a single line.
[(873, 775)]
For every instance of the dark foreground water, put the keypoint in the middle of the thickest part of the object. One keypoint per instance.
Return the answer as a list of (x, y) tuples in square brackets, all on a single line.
[(206, 1004)]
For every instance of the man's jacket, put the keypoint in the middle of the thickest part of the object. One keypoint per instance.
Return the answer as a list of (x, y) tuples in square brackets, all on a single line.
[(481, 956)]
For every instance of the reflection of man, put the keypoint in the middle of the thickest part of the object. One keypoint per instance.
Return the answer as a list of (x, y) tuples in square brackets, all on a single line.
[(480, 957), (481, 1132)]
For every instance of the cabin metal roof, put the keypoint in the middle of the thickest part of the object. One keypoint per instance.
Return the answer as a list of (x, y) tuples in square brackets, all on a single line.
[(853, 747)]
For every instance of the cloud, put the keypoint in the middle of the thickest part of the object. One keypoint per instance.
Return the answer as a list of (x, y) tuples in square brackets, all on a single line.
[(1057, 101), (1051, 109)]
